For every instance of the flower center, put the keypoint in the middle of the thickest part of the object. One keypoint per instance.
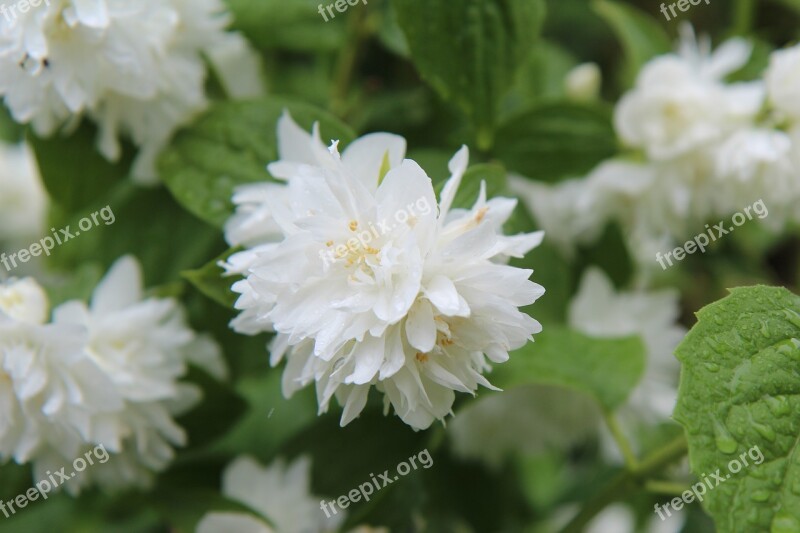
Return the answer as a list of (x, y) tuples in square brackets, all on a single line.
[(9, 300)]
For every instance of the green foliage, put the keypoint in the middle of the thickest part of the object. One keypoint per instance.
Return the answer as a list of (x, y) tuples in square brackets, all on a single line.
[(295, 25), (642, 37), (557, 141), (73, 172), (210, 281), (739, 389), (231, 145), (470, 53), (606, 369)]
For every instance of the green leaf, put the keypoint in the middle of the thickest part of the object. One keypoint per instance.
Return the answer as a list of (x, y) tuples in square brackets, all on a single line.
[(10, 131), (756, 64), (608, 369), (209, 280), (295, 25), (642, 36), (271, 419), (493, 175), (791, 4), (540, 78), (218, 412), (73, 171), (556, 141), (470, 53), (229, 146), (740, 390), (148, 223)]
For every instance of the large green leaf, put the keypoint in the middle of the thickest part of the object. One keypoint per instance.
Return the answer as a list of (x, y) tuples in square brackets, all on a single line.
[(642, 37), (147, 223), (231, 145), (607, 369), (470, 51), (556, 141), (541, 77), (739, 397), (293, 25), (73, 171)]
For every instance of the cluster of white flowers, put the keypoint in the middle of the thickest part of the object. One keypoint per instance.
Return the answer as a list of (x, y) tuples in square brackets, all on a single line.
[(22, 197), (103, 374), (135, 68), (279, 494), (710, 148), (415, 301), (548, 417)]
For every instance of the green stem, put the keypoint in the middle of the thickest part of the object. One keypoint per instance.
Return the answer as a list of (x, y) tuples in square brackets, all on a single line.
[(673, 451), (348, 60), (743, 14), (622, 441), (628, 481), (669, 488)]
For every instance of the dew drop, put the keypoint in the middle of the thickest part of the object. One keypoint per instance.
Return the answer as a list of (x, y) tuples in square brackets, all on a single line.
[(765, 329), (792, 316), (725, 442), (760, 496), (712, 367), (784, 523), (714, 345), (765, 431), (778, 406)]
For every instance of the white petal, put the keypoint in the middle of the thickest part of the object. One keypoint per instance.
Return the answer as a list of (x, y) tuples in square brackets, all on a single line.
[(420, 327)]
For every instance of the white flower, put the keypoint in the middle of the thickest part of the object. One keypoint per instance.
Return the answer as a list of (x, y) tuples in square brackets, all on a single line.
[(680, 103), (575, 211), (279, 493), (22, 197), (528, 420), (145, 77), (49, 388), (783, 81), (582, 83), (620, 518), (598, 310), (24, 300), (144, 347), (369, 285)]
